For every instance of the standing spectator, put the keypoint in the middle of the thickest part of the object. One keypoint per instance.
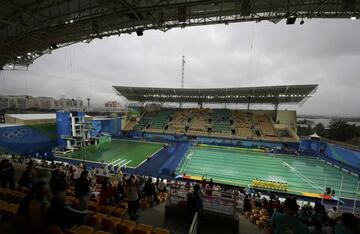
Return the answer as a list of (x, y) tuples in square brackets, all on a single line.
[(82, 188), (287, 222), (194, 202), (133, 197), (162, 186), (57, 182), (149, 191), (208, 190), (247, 204), (7, 174), (38, 207), (333, 213), (319, 216), (29, 177), (63, 215), (349, 224), (211, 184), (107, 192), (119, 192)]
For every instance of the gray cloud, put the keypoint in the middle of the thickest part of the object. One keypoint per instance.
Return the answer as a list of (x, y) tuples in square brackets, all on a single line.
[(320, 51)]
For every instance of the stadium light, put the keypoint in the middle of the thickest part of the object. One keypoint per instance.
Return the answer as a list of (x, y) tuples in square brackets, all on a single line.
[(53, 46), (140, 32), (353, 18), (291, 20)]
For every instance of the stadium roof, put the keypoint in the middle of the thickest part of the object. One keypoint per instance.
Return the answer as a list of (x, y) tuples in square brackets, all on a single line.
[(33, 116), (41, 116), (31, 28), (286, 94)]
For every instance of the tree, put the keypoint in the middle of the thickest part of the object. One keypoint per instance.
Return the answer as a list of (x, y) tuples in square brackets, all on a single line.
[(304, 131), (320, 130), (339, 130)]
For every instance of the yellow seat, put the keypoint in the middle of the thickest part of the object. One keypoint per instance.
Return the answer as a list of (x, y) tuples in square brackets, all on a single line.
[(101, 232), (126, 226), (95, 219), (160, 231), (94, 207), (142, 229), (119, 212), (12, 208), (123, 205), (110, 223), (83, 229), (104, 210), (23, 189), (110, 208)]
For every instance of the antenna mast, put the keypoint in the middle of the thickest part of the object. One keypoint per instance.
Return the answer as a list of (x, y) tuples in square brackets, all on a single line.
[(182, 71)]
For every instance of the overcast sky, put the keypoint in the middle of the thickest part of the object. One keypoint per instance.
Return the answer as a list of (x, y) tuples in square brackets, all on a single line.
[(324, 52)]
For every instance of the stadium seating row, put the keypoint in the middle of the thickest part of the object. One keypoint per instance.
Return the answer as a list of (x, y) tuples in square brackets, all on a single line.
[(258, 216), (216, 122), (105, 219)]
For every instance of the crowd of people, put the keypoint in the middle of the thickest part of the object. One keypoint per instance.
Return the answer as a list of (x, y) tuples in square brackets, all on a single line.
[(288, 217), (48, 183)]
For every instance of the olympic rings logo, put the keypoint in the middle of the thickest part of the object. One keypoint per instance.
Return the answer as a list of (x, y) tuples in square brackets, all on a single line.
[(14, 134)]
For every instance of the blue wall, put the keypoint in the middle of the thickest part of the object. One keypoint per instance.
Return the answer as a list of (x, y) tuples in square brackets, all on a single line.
[(335, 153), (162, 137), (237, 143), (343, 155), (109, 126), (176, 153), (213, 140), (63, 127), (28, 140)]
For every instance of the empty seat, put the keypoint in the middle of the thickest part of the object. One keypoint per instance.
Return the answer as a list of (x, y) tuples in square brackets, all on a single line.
[(160, 231), (101, 232), (123, 205), (107, 209), (95, 219), (119, 212), (126, 226), (94, 207), (142, 229), (83, 229), (110, 223)]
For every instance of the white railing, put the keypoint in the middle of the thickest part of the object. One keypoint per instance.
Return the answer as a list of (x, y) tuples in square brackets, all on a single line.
[(194, 225)]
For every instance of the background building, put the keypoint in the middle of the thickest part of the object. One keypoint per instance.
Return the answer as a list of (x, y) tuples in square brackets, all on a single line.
[(112, 104), (24, 102)]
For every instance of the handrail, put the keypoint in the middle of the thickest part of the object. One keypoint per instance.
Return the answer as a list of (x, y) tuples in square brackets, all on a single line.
[(194, 224)]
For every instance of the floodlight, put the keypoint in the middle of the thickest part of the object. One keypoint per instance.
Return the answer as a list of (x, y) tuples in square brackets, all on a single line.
[(140, 32), (291, 20), (353, 18), (53, 46)]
